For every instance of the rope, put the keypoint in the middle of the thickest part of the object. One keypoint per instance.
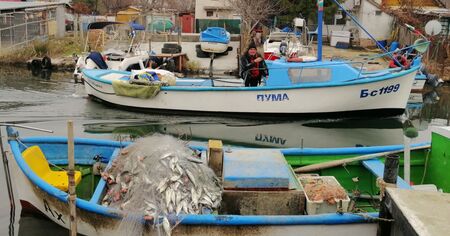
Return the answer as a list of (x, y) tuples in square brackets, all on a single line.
[(371, 218), (383, 185), (425, 167)]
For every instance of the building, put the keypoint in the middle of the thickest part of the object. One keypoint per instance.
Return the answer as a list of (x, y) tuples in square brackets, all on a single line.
[(372, 14), (210, 13), (23, 22), (128, 15)]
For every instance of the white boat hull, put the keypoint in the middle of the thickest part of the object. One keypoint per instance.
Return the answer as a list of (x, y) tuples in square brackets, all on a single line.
[(362, 97), (418, 85), (213, 47)]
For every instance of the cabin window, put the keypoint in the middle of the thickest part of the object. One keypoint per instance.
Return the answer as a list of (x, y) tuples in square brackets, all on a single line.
[(378, 13), (309, 75), (209, 13)]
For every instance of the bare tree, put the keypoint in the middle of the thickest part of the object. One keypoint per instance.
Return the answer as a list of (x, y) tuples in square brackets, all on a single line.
[(113, 6), (181, 6), (253, 12)]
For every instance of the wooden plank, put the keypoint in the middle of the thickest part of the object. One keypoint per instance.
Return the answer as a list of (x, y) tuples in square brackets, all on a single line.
[(377, 167), (237, 202)]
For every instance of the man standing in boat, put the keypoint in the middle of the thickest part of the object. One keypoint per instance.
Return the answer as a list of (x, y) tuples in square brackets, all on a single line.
[(253, 67)]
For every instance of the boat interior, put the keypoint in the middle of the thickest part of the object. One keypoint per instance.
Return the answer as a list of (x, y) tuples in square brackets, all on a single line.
[(48, 160)]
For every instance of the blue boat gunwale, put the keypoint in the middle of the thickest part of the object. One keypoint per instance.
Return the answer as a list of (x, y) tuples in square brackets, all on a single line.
[(95, 75), (219, 220)]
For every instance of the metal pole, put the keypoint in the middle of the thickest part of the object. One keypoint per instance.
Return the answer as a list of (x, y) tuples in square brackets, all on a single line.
[(319, 29), (389, 177), (71, 175), (407, 159)]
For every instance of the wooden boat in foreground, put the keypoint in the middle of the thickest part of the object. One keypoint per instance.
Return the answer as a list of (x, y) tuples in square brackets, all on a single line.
[(357, 178)]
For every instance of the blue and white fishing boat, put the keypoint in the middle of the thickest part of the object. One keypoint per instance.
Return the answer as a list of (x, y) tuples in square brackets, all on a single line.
[(214, 40), (292, 89), (313, 88), (45, 188)]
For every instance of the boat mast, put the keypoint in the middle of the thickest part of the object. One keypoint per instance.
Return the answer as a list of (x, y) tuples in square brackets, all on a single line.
[(319, 29)]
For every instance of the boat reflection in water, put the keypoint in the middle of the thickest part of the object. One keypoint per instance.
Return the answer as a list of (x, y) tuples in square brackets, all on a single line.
[(317, 133)]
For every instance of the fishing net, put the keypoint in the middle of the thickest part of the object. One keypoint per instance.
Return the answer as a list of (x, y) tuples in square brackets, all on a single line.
[(161, 179), (323, 189)]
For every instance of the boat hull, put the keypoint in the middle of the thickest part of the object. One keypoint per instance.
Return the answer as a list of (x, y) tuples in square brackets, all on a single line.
[(358, 99), (418, 85), (214, 47), (89, 223)]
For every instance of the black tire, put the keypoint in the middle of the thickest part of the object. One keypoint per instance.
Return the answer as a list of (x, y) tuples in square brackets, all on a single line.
[(170, 50), (46, 63), (172, 45), (36, 67), (201, 54)]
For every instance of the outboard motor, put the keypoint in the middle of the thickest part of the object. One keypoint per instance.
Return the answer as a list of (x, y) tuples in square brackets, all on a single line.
[(434, 81)]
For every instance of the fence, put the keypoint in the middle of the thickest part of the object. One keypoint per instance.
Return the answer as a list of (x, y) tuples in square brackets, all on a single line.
[(21, 27)]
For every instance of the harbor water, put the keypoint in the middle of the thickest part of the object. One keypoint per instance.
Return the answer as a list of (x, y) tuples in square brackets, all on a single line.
[(48, 102)]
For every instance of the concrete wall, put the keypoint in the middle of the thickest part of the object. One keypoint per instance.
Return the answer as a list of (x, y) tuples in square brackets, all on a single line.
[(379, 25), (219, 7)]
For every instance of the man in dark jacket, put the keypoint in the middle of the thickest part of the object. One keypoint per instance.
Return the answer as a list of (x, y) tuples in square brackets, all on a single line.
[(253, 67)]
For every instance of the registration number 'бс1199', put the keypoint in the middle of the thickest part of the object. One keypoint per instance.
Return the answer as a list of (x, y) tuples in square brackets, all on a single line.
[(381, 91)]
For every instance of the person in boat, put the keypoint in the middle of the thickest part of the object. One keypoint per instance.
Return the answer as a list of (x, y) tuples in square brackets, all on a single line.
[(402, 61), (253, 67)]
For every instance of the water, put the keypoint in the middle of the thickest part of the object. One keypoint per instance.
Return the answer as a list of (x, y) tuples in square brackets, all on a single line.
[(49, 103)]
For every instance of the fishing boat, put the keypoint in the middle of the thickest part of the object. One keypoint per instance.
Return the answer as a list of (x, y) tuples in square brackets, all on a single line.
[(292, 89), (298, 88), (121, 44), (32, 155), (214, 40)]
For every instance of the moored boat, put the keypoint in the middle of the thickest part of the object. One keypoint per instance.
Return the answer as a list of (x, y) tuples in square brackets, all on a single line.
[(292, 89), (116, 55), (214, 40), (94, 219)]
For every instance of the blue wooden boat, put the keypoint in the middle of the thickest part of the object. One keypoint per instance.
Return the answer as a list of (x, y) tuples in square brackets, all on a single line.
[(214, 40), (94, 219)]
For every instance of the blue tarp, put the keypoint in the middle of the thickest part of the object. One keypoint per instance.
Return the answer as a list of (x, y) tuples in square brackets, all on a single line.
[(136, 26)]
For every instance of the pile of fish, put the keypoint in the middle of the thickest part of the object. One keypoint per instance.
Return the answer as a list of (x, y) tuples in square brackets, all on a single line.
[(159, 176)]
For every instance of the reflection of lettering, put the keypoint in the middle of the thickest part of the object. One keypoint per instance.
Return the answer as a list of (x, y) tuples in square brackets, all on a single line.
[(278, 97), (269, 139), (54, 213)]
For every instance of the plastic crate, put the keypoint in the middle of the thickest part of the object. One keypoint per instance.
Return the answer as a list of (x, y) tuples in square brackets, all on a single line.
[(314, 207)]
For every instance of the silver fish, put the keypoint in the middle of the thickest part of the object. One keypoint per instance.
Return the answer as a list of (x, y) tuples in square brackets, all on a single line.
[(178, 209), (191, 177), (166, 226), (166, 155), (184, 206), (194, 196), (179, 169), (175, 178), (162, 185), (168, 197)]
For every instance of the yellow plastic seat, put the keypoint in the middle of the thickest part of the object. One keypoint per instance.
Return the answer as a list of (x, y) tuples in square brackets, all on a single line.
[(36, 160)]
